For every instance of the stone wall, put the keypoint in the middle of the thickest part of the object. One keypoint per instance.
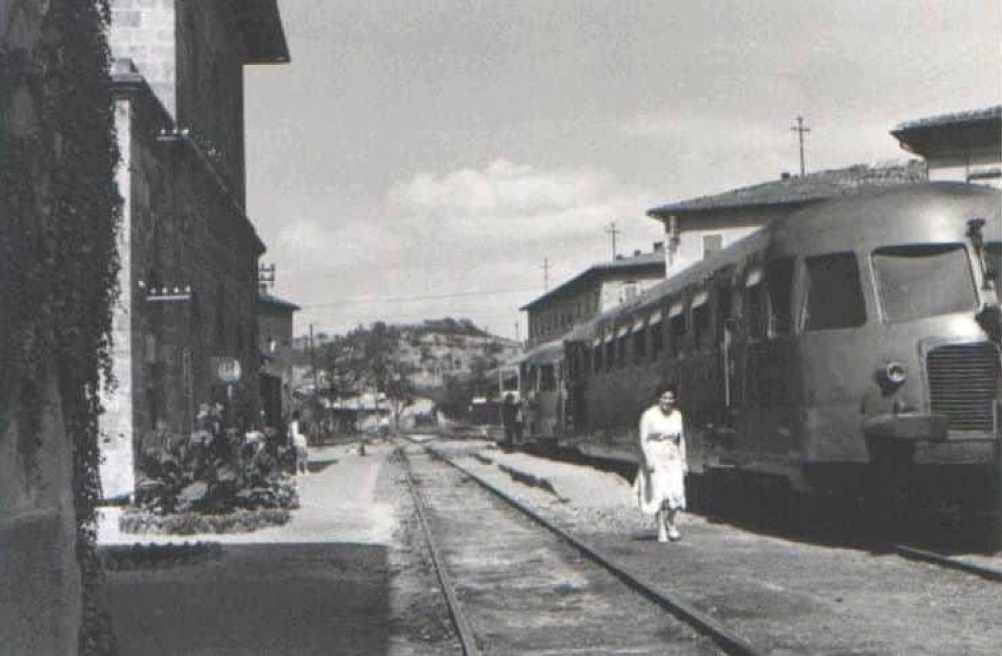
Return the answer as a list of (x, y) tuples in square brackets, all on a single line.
[(187, 235), (191, 53)]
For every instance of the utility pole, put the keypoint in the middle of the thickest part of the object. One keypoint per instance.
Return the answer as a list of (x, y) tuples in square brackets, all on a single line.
[(611, 230), (546, 274), (516, 333), (800, 129), (313, 366)]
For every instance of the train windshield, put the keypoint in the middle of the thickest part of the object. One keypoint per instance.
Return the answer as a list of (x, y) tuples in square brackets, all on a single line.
[(924, 281)]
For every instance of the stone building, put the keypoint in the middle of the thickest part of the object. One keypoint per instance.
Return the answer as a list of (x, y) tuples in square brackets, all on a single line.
[(695, 228), (591, 292), (274, 330), (186, 329), (963, 147)]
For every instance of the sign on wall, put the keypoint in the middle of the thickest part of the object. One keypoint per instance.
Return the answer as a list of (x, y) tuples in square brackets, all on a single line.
[(227, 370)]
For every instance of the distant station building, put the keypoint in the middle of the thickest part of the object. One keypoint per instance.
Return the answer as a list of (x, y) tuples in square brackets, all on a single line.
[(186, 325), (696, 228), (963, 147), (274, 330), (591, 292)]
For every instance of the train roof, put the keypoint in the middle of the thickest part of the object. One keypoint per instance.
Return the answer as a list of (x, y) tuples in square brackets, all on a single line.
[(895, 207)]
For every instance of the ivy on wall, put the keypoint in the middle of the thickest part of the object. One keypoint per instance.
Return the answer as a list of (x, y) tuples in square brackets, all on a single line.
[(59, 212)]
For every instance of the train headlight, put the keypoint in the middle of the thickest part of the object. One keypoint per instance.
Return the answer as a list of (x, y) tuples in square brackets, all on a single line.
[(893, 374)]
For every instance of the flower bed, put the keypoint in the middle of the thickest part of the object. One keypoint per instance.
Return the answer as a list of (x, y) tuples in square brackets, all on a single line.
[(137, 520)]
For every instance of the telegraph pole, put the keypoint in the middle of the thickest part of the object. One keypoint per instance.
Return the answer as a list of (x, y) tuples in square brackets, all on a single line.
[(313, 366), (611, 230), (800, 129), (546, 274)]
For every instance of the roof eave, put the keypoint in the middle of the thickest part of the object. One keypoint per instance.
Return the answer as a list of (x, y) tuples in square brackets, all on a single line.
[(264, 36)]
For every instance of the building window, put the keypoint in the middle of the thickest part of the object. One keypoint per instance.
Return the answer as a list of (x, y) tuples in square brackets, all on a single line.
[(712, 244), (630, 290)]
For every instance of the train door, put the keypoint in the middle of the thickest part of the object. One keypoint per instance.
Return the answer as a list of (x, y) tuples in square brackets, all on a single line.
[(768, 360)]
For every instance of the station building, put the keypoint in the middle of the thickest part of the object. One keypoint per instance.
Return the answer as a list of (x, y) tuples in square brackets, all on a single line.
[(274, 329), (186, 326), (963, 146), (591, 292)]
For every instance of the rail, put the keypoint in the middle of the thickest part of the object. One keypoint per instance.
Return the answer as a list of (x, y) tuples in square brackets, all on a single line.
[(729, 641), (467, 638)]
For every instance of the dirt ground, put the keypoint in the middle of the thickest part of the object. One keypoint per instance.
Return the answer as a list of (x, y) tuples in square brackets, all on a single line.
[(785, 596)]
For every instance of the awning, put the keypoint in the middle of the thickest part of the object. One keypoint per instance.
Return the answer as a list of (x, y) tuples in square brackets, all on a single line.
[(609, 337), (675, 309), (699, 298), (548, 353), (623, 331), (638, 325), (754, 277), (655, 318)]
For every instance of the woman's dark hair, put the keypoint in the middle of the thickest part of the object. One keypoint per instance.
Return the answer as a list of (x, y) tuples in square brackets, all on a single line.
[(664, 389)]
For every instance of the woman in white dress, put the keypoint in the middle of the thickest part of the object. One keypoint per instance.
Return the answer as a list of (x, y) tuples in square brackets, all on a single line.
[(660, 483)]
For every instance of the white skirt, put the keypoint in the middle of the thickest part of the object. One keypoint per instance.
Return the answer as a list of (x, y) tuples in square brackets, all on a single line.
[(665, 484)]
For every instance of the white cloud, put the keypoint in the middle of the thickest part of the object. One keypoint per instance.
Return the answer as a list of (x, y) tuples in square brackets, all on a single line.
[(501, 187)]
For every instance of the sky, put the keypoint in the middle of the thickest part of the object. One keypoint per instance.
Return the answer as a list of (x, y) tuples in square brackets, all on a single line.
[(418, 160)]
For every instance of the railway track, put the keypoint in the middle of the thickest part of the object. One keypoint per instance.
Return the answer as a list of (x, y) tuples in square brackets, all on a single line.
[(531, 573), (946, 561)]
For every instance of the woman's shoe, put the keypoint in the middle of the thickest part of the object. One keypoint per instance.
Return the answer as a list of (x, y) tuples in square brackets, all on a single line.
[(662, 533), (674, 535)]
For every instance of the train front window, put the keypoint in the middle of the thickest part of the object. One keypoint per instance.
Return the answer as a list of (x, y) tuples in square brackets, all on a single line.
[(834, 293), (923, 281), (510, 384)]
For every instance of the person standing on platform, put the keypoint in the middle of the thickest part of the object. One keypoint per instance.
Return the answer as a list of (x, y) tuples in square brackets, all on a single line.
[(660, 483), (299, 444)]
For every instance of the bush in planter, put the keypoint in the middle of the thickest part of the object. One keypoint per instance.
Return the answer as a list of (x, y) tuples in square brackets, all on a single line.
[(213, 471)]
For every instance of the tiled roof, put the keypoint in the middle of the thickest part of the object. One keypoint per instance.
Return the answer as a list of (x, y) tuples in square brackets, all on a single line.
[(801, 190), (956, 118), (653, 261), (268, 299)]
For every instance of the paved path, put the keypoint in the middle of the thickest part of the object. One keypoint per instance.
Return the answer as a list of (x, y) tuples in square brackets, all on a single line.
[(321, 584)]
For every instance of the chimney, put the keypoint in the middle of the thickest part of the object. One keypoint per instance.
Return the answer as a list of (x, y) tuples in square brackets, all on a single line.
[(785, 175), (659, 246)]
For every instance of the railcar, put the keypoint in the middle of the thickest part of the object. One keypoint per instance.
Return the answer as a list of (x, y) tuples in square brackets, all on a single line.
[(851, 346), (542, 389)]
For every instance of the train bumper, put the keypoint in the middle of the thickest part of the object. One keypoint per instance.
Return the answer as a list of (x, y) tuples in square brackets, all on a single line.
[(908, 427)]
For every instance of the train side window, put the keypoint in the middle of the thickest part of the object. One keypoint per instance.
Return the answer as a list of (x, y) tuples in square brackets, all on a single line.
[(547, 378), (779, 280), (676, 327), (621, 344), (755, 305), (701, 328), (657, 331), (993, 260), (639, 342), (834, 293)]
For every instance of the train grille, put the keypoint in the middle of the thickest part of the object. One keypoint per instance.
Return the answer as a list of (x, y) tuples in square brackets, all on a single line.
[(964, 385)]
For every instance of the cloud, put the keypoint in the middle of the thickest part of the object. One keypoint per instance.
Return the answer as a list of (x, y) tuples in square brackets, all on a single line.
[(500, 188)]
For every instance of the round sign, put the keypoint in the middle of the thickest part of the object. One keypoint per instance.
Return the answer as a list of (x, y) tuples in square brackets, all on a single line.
[(228, 370)]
